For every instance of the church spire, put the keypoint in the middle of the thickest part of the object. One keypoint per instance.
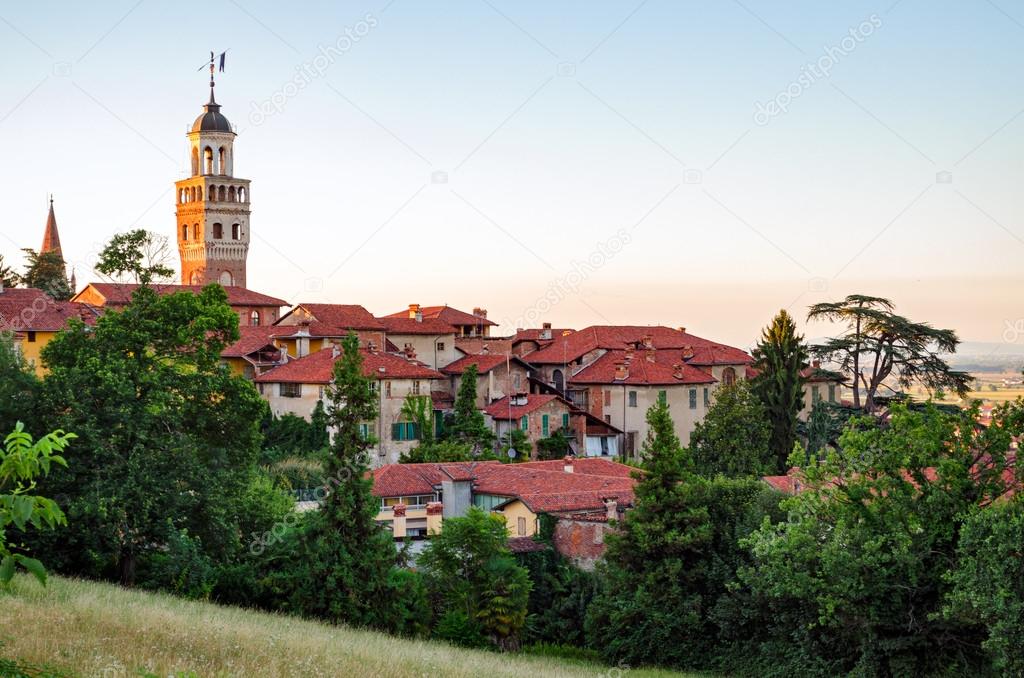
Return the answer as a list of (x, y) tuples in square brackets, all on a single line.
[(51, 239)]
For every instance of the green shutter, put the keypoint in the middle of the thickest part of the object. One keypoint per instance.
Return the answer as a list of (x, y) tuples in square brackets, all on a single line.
[(565, 420), (662, 397), (544, 425), (414, 431), (396, 431), (524, 423)]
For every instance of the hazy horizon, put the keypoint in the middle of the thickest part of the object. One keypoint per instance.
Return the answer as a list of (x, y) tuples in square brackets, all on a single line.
[(587, 163)]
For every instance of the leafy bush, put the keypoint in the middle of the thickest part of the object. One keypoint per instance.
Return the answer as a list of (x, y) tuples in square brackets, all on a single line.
[(182, 568), (457, 628)]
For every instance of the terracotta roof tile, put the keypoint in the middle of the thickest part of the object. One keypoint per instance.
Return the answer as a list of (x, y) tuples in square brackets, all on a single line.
[(318, 368), (500, 409), (413, 326), (612, 337), (452, 316), (29, 309), (250, 339), (485, 362), (333, 319), (641, 371)]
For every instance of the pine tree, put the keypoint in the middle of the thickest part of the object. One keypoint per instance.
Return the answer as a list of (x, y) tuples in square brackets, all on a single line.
[(468, 424), (779, 357), (349, 556)]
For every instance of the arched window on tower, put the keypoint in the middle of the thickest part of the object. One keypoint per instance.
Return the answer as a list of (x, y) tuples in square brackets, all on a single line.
[(221, 194), (236, 231), (232, 195), (199, 192), (221, 157), (195, 161), (208, 160), (195, 232), (241, 194), (218, 231), (184, 231), (254, 318), (226, 280)]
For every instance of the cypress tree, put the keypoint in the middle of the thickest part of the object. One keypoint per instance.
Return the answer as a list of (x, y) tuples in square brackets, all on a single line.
[(779, 357)]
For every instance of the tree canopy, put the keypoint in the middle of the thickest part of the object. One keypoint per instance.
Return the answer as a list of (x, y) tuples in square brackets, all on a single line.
[(779, 358)]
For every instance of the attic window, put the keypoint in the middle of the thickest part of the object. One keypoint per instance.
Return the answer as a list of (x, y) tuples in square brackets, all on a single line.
[(30, 336)]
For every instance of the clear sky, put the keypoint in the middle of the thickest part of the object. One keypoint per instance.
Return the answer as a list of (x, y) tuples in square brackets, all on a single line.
[(697, 164)]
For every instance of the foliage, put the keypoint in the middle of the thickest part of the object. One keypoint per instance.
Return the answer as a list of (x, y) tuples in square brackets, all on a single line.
[(467, 422), (8, 278), (420, 410), (469, 571), (166, 431), (858, 572), (516, 439), (457, 628), (445, 451), (559, 599), (22, 460), (669, 567), (988, 582), (181, 567), (879, 344), (290, 435), (298, 473), (138, 256), (555, 446), (410, 614), (734, 438), (45, 271), (779, 358), (19, 387), (345, 558)]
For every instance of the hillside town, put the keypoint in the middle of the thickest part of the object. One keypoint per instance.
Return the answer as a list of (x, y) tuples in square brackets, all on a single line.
[(598, 493)]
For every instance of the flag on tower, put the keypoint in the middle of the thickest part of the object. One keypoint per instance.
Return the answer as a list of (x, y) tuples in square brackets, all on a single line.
[(222, 61)]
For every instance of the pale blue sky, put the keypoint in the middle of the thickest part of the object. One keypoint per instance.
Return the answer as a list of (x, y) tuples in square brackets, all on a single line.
[(558, 125)]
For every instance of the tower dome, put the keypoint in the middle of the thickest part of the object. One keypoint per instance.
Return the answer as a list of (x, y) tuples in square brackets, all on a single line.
[(212, 120)]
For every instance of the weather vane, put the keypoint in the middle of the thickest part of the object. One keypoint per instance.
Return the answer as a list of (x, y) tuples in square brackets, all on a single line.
[(213, 60)]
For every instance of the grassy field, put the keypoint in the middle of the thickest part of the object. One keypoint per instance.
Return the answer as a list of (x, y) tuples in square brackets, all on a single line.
[(88, 629)]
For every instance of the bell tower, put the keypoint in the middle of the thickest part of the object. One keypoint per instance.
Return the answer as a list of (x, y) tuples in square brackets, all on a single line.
[(212, 205)]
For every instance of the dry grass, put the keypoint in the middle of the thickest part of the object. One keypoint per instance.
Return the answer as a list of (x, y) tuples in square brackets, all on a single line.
[(93, 629)]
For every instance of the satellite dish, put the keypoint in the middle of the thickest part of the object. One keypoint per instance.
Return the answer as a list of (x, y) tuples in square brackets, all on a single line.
[(512, 453)]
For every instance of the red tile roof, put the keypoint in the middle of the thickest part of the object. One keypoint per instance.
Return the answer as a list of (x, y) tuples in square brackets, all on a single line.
[(485, 362), (542, 486), (329, 320), (29, 309), (524, 545), (641, 371), (500, 409), (318, 368), (452, 316), (251, 339), (413, 326), (120, 294), (612, 337), (534, 334)]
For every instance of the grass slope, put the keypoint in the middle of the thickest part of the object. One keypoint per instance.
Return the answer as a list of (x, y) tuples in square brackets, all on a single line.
[(91, 629)]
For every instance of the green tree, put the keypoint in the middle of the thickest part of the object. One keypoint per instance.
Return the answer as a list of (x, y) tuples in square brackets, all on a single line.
[(515, 439), (8, 278), (19, 387), (878, 345), (137, 256), (419, 409), (166, 431), (467, 422), (22, 460), (347, 559), (779, 358), (672, 558), (471, 574), (45, 271), (988, 582), (856, 579), (734, 438), (443, 451), (555, 446)]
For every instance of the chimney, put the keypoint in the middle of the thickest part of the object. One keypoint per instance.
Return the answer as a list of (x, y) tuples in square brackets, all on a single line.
[(371, 346), (546, 326), (816, 364), (480, 313), (335, 351), (435, 511), (682, 329), (485, 349), (414, 310), (611, 507), (687, 352), (629, 354), (409, 351), (398, 524), (621, 371), (647, 341), (568, 464), (650, 354), (677, 370)]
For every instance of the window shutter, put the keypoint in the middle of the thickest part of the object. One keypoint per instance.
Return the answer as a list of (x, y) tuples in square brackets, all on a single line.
[(396, 431), (545, 425), (565, 421)]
